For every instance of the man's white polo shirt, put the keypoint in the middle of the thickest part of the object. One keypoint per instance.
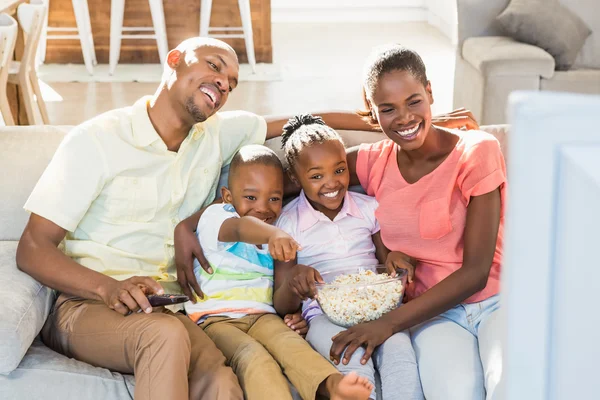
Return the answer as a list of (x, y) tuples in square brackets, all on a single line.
[(119, 192)]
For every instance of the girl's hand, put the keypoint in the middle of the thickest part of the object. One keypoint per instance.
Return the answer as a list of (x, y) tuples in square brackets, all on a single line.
[(303, 281), (297, 323), (368, 335), (282, 246), (398, 260)]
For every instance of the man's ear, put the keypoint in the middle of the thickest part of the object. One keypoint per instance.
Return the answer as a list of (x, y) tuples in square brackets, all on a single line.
[(429, 92), (226, 195), (174, 58)]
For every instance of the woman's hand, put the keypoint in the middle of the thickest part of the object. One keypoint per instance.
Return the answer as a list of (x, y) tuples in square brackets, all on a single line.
[(368, 335), (457, 119), (297, 323), (302, 281), (398, 260)]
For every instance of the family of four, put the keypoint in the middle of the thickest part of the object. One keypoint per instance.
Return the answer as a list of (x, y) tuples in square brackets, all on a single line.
[(127, 208)]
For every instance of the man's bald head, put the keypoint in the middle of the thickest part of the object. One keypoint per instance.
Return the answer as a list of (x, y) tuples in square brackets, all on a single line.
[(199, 75), (190, 46)]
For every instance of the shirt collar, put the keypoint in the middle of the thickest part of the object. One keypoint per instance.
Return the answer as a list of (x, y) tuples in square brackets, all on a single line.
[(309, 216), (144, 133)]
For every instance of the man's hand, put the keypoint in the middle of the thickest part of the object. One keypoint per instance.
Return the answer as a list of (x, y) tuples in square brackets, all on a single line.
[(297, 323), (129, 295), (398, 260), (457, 119), (302, 281), (368, 335), (187, 247), (282, 246)]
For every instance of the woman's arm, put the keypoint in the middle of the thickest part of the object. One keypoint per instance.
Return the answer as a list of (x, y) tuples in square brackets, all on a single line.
[(481, 235)]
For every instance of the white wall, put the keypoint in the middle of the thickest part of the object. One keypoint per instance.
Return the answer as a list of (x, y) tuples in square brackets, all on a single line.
[(443, 15), (439, 13), (348, 10)]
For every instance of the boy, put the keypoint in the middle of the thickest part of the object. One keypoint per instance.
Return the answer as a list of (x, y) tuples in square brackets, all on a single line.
[(237, 310)]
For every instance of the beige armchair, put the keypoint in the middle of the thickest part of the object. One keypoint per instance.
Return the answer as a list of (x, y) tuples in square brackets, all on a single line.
[(490, 65)]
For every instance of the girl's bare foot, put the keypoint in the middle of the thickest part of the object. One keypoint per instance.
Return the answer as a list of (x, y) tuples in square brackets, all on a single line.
[(348, 387)]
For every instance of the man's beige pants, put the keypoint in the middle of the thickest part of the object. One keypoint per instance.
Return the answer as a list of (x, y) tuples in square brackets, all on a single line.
[(263, 350), (171, 358)]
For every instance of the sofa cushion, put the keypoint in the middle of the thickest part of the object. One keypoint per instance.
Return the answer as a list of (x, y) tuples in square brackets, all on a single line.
[(45, 374), (25, 307), (575, 80), (504, 56), (26, 151), (549, 25)]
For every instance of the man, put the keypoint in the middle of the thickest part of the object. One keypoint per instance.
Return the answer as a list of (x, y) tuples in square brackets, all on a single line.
[(103, 214), (110, 200)]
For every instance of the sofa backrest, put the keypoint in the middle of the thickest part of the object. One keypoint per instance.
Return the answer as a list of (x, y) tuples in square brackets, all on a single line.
[(26, 151), (478, 18), (589, 12)]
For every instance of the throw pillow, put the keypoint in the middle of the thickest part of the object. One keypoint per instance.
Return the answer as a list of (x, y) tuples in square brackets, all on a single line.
[(546, 24)]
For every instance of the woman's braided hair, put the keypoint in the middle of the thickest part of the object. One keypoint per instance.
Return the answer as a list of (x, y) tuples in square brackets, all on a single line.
[(304, 130)]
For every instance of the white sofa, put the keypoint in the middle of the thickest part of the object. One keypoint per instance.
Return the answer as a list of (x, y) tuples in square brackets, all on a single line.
[(28, 369), (490, 65)]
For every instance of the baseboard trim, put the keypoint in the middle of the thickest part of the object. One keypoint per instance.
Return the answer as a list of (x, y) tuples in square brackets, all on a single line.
[(349, 14)]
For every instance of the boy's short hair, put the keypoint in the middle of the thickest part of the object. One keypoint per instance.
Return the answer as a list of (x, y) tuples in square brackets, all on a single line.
[(253, 154)]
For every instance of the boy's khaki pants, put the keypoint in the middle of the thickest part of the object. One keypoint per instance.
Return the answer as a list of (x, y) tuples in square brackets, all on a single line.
[(261, 349), (171, 357)]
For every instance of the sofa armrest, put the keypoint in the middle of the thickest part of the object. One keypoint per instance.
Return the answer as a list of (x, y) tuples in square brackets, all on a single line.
[(25, 305), (503, 56)]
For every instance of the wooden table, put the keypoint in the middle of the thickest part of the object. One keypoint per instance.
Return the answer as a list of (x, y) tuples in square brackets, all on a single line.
[(182, 18), (12, 92)]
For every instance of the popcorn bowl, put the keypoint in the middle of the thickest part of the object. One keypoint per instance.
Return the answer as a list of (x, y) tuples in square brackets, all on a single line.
[(352, 295)]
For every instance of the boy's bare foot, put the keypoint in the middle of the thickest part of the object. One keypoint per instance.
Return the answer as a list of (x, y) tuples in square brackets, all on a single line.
[(348, 387)]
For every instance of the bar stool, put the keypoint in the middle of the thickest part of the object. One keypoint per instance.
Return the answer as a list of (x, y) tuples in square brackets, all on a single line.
[(31, 18), (83, 31), (246, 28), (8, 39), (117, 10)]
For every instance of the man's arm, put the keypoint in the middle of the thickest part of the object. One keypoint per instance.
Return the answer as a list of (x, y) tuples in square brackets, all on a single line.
[(351, 121), (345, 120), (187, 249), (284, 300), (38, 255)]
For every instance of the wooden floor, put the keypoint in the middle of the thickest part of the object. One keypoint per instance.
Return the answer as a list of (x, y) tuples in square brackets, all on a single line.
[(321, 68)]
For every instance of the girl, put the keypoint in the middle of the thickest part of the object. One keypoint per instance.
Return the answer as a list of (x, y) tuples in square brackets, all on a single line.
[(441, 196), (335, 228)]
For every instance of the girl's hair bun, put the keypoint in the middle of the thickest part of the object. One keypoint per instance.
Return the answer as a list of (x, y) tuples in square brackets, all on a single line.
[(296, 123)]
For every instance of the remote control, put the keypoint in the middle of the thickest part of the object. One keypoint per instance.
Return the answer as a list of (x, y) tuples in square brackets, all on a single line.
[(157, 300)]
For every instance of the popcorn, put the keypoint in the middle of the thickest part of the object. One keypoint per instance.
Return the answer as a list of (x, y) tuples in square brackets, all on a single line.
[(363, 299)]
